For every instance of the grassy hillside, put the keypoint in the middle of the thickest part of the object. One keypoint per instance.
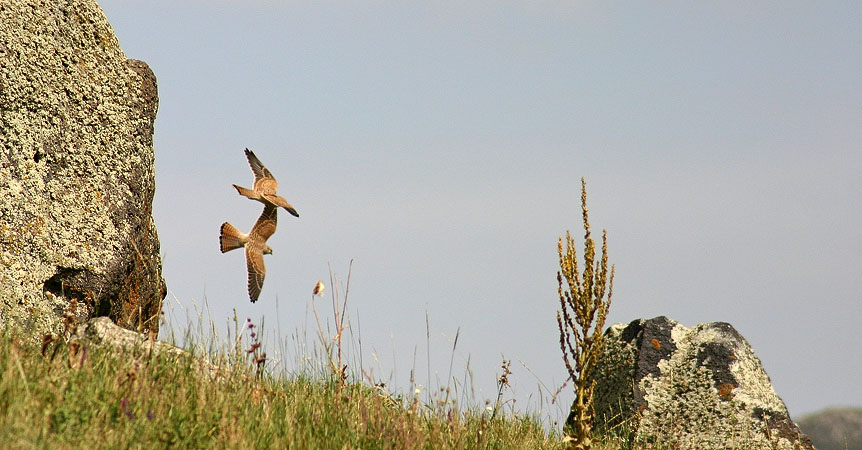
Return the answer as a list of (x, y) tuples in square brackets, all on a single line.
[(88, 396)]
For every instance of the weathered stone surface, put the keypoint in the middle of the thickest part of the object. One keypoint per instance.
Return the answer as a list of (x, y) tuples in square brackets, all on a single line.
[(102, 332), (690, 388), (834, 428), (76, 171)]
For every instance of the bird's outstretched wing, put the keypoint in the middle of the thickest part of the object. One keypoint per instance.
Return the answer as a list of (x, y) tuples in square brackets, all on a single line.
[(256, 270), (257, 167), (265, 225)]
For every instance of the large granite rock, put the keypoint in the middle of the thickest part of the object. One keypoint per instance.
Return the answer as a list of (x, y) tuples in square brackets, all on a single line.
[(77, 238), (689, 388)]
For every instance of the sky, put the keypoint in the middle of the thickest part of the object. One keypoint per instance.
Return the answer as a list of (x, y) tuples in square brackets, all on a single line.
[(440, 146)]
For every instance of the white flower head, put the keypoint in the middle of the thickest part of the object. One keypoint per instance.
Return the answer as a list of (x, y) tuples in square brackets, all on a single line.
[(318, 289)]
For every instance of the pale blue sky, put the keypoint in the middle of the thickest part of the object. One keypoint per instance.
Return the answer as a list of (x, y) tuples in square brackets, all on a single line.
[(440, 146)]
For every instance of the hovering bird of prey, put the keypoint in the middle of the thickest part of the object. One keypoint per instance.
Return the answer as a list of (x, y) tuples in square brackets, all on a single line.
[(264, 186), (255, 246)]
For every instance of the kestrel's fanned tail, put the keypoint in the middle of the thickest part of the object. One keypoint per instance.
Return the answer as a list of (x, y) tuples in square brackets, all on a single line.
[(230, 238)]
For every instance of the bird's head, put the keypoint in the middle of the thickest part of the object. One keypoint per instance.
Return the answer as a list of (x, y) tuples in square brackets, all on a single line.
[(267, 250)]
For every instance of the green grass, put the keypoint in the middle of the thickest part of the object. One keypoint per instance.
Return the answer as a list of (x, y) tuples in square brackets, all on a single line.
[(100, 397), (81, 395)]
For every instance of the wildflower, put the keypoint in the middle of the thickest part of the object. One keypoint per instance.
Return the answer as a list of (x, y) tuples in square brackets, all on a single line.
[(125, 407)]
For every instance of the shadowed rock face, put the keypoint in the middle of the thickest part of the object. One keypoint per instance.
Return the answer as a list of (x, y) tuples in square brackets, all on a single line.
[(77, 236), (691, 388)]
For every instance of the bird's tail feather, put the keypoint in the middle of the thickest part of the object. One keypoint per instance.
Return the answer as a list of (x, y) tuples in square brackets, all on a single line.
[(230, 238), (245, 192)]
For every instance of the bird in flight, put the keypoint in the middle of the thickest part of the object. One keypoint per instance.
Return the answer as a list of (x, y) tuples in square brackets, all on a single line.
[(264, 186), (230, 238)]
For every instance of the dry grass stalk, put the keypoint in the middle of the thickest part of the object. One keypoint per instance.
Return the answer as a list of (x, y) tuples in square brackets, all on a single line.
[(339, 312)]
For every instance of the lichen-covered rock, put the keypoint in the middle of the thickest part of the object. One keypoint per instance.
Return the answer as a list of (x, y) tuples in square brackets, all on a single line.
[(689, 388), (77, 238)]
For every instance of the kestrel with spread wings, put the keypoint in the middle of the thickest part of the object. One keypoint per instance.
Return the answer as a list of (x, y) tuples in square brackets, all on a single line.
[(255, 246), (264, 186)]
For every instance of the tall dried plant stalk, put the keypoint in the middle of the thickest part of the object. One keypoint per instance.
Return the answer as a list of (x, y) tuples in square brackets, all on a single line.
[(339, 312), (581, 320)]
